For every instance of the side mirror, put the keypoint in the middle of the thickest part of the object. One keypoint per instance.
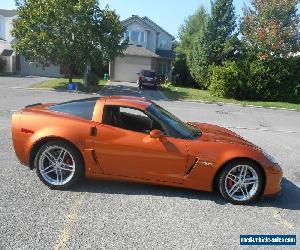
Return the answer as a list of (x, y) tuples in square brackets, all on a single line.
[(156, 134)]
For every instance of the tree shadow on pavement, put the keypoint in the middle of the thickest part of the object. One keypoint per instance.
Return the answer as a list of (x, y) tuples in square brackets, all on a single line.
[(288, 199)]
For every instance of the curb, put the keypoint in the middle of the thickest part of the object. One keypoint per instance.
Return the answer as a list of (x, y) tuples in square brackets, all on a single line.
[(236, 104), (61, 91)]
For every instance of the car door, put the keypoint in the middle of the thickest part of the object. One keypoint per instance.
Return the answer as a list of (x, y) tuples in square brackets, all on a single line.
[(124, 152)]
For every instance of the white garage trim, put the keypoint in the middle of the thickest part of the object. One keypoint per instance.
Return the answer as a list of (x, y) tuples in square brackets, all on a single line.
[(127, 67)]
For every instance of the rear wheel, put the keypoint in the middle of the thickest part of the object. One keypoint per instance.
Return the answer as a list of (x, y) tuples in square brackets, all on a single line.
[(59, 164), (240, 182)]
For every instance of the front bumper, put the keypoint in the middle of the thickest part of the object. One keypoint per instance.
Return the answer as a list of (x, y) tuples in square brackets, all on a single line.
[(149, 84), (274, 176)]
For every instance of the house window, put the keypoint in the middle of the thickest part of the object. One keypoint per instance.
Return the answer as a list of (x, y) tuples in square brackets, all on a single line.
[(137, 37), (134, 36), (162, 44), (163, 69)]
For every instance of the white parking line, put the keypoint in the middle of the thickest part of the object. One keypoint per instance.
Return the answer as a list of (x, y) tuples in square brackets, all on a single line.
[(70, 220), (276, 215)]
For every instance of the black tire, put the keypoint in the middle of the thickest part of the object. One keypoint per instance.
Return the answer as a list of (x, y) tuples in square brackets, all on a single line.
[(76, 157), (222, 182)]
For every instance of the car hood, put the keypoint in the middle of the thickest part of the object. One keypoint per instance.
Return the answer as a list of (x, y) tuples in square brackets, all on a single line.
[(214, 133)]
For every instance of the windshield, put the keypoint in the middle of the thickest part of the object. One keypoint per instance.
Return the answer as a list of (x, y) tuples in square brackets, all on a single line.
[(149, 73), (183, 129)]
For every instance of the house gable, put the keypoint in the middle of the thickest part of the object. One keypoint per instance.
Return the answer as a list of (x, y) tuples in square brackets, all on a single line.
[(155, 37)]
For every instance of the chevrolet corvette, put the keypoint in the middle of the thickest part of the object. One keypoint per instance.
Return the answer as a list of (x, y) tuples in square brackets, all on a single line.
[(133, 139)]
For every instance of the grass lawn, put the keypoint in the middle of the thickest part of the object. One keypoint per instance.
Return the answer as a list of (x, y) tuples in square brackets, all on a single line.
[(62, 84), (174, 92)]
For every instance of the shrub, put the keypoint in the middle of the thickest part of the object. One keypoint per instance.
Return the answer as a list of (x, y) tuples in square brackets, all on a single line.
[(93, 79), (274, 80), (225, 80)]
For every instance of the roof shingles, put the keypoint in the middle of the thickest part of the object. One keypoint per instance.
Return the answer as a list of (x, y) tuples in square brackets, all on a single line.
[(135, 50), (8, 13)]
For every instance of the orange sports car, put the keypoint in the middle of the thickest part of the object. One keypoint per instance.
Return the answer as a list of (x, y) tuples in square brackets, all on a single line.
[(134, 139)]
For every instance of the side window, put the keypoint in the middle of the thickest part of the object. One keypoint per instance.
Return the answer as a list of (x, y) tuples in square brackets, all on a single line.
[(131, 111), (128, 118), (82, 108)]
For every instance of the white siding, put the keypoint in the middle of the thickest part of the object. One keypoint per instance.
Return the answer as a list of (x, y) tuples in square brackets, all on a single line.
[(5, 29), (8, 28), (167, 39), (2, 27), (152, 37)]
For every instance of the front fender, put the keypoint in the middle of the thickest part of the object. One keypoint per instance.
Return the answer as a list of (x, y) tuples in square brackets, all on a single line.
[(213, 156)]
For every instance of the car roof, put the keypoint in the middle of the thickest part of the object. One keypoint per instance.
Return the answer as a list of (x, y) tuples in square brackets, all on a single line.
[(130, 101)]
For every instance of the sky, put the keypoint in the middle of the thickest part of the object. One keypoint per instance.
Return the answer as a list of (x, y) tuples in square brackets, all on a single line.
[(169, 14)]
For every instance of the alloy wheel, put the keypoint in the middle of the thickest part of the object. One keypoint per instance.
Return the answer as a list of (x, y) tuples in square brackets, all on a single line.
[(242, 183), (56, 165)]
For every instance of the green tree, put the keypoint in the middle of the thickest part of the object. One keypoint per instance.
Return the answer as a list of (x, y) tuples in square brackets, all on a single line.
[(188, 33), (217, 43), (68, 32), (269, 28)]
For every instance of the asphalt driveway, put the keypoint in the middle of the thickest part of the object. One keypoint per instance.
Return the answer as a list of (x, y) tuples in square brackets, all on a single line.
[(113, 215), (131, 89)]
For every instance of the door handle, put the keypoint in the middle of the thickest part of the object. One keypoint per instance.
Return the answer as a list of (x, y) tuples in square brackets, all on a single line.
[(93, 131)]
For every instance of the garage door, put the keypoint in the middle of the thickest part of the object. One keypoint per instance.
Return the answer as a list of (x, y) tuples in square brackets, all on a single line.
[(127, 67), (34, 69)]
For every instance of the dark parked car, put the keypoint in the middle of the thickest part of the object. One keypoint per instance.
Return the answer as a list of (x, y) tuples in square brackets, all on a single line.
[(147, 78)]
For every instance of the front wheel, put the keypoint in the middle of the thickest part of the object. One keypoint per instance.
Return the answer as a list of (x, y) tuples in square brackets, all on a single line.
[(59, 164), (240, 182)]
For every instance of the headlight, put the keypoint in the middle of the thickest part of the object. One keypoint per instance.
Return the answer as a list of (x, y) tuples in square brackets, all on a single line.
[(270, 158)]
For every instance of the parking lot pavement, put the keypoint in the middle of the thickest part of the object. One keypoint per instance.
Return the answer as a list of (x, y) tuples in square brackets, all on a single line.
[(115, 215), (131, 89), (20, 81)]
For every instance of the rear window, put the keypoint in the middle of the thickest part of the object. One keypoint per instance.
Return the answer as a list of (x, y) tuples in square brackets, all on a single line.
[(149, 73), (83, 108)]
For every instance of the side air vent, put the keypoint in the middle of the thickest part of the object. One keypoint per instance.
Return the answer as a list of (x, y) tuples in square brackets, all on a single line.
[(190, 168)]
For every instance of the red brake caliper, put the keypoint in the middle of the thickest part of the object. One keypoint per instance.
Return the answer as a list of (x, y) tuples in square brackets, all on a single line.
[(68, 160), (229, 183)]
